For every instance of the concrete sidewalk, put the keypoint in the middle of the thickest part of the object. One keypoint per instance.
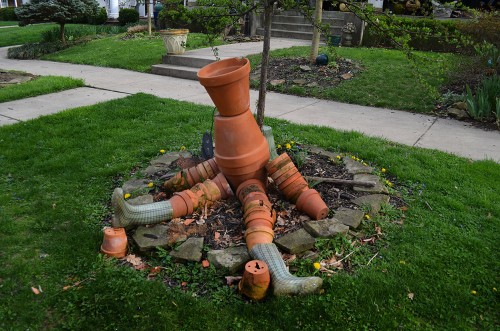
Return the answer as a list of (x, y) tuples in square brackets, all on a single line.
[(402, 127)]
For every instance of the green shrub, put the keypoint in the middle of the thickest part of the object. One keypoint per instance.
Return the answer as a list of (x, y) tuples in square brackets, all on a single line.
[(484, 29), (80, 31), (127, 16), (8, 14), (100, 18), (485, 104), (35, 50)]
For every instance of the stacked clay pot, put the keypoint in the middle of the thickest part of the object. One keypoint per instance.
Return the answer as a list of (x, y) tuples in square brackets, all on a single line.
[(295, 188), (114, 242), (258, 213), (241, 150), (206, 193), (187, 178), (255, 281)]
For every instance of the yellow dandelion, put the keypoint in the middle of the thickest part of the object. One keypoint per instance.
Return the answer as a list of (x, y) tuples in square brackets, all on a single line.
[(316, 265), (383, 170), (150, 184), (162, 151), (183, 148), (357, 159), (365, 164), (126, 195), (402, 262), (353, 157), (288, 146), (367, 217), (494, 289), (473, 292), (339, 157), (292, 142), (388, 183), (279, 146)]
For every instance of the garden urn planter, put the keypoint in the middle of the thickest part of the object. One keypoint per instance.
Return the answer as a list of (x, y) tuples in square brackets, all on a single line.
[(175, 40), (228, 84)]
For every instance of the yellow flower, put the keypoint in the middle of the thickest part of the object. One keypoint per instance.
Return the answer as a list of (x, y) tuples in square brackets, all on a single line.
[(473, 292), (316, 265), (388, 183), (338, 157), (353, 157), (402, 262), (383, 170), (150, 184), (365, 164), (494, 289), (292, 142), (367, 217), (126, 195), (162, 151), (279, 146), (183, 148), (288, 146)]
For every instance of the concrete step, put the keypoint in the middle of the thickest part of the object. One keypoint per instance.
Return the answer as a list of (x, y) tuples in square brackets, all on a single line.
[(187, 61), (175, 71), (301, 27)]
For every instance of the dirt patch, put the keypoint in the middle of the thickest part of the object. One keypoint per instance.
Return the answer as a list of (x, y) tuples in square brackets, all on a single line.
[(14, 77)]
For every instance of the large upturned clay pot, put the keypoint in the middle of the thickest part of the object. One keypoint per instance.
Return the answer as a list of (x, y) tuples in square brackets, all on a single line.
[(256, 280), (114, 242), (228, 84), (241, 151)]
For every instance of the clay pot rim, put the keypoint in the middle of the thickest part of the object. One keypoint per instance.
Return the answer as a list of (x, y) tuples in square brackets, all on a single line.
[(318, 212), (174, 31), (272, 164), (221, 181), (289, 167), (208, 80), (249, 182), (284, 181), (255, 229)]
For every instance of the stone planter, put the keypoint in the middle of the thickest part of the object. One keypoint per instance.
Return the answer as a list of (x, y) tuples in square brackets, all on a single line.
[(175, 40)]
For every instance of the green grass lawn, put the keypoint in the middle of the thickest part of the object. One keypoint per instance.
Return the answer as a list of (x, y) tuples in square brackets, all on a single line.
[(38, 86), (8, 23), (137, 54), (388, 79), (23, 35), (57, 174)]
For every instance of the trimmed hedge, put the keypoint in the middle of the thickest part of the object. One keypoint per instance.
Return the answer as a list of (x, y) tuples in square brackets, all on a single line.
[(8, 14), (127, 16)]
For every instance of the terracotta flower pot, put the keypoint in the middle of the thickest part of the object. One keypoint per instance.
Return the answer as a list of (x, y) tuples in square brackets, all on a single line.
[(294, 190), (182, 204), (256, 199), (256, 280), (311, 203), (215, 193), (287, 179), (187, 178), (248, 187), (260, 218), (277, 163), (228, 84), (114, 242), (258, 235), (287, 169), (223, 186)]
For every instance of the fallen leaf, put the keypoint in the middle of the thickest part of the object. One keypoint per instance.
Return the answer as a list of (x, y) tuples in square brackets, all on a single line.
[(67, 287), (411, 296), (184, 284), (404, 208), (205, 263), (216, 236), (35, 290), (155, 270), (280, 221), (134, 260), (230, 280), (188, 221)]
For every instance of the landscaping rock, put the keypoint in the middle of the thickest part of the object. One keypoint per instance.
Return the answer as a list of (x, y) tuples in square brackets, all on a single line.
[(148, 238), (313, 84), (459, 114), (320, 151), (232, 258), (190, 250), (299, 81), (164, 162), (296, 242), (374, 201), (277, 82), (347, 76), (326, 228), (135, 185), (355, 167), (349, 217), (460, 105), (305, 68), (378, 188), (141, 200)]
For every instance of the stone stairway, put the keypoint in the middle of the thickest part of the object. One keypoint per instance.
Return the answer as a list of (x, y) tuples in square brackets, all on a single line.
[(292, 24), (181, 66)]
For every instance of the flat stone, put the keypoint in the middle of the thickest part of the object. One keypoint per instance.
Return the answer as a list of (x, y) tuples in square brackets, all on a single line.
[(305, 68), (299, 81), (321, 151), (356, 167), (190, 250), (378, 188), (373, 201), (457, 113), (347, 76), (350, 217), (326, 228), (141, 200), (296, 242), (276, 82), (148, 238), (135, 185), (232, 258), (167, 158), (460, 105), (313, 84)]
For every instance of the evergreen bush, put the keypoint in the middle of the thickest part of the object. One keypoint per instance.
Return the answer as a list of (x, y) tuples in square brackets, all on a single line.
[(8, 14), (128, 16)]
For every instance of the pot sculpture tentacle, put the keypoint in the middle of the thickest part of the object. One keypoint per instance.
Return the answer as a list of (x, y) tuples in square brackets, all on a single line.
[(187, 178), (284, 283)]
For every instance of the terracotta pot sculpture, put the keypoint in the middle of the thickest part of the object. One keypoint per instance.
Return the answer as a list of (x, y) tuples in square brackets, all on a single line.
[(114, 242), (311, 203), (241, 150), (228, 84), (255, 281), (187, 178)]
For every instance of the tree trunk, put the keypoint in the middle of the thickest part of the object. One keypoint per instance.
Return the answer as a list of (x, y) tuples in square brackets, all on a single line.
[(318, 13), (61, 30), (261, 105)]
